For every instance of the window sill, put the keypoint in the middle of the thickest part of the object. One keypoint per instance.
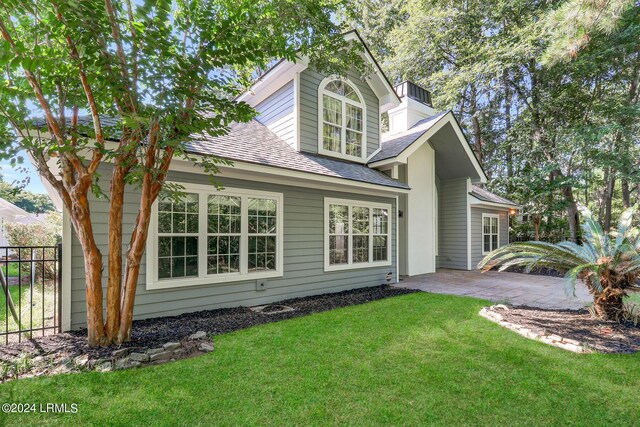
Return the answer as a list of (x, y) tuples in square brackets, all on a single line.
[(340, 267), (211, 280), (341, 156)]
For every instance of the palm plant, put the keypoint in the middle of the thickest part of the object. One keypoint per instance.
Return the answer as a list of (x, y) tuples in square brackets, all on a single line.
[(607, 263)]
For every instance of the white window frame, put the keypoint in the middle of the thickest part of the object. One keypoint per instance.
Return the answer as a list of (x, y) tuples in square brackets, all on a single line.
[(351, 204), (343, 133), (203, 191), (496, 216)]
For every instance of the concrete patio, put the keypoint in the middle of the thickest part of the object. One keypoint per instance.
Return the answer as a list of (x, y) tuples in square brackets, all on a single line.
[(511, 288)]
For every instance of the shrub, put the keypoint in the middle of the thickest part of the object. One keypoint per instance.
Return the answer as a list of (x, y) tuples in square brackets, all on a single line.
[(44, 233), (608, 263)]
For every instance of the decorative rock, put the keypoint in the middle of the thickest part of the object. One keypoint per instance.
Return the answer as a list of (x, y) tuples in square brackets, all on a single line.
[(155, 351), (37, 359), (139, 357), (122, 363), (165, 355), (170, 346), (198, 336), (206, 347), (120, 352), (179, 352), (134, 364), (105, 367), (81, 360), (539, 335)]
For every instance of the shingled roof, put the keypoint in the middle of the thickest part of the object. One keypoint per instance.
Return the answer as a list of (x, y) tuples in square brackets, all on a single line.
[(253, 142), (487, 196), (393, 145)]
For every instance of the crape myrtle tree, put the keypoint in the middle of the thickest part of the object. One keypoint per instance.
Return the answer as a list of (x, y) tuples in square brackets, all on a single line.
[(129, 83)]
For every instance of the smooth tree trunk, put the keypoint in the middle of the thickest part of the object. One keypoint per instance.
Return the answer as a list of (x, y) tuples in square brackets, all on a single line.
[(81, 219)]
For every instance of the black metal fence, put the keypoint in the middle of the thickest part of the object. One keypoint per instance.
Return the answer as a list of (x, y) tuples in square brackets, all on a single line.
[(30, 299)]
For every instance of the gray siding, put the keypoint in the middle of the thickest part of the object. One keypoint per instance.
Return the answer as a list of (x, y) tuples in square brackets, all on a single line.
[(309, 82), (303, 257), (276, 112), (452, 224), (476, 231)]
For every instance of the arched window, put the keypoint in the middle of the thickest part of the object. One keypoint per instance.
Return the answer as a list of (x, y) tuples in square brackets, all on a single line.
[(342, 120)]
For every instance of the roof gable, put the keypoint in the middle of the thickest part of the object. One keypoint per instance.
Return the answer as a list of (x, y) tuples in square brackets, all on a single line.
[(397, 148), (284, 71)]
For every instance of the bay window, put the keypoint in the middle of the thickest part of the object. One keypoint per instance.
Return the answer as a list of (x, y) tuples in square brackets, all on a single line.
[(210, 236), (357, 234)]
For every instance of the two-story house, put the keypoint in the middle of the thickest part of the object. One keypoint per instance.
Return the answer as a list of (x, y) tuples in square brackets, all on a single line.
[(318, 200)]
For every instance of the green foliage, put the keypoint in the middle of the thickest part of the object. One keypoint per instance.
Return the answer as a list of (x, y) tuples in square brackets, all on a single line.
[(608, 263), (45, 233), (179, 64), (549, 133), (30, 202)]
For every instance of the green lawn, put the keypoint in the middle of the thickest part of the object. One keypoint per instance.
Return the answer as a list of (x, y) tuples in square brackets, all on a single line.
[(411, 360)]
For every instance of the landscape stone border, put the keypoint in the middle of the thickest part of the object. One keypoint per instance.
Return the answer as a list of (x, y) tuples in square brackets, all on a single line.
[(123, 358), (493, 313)]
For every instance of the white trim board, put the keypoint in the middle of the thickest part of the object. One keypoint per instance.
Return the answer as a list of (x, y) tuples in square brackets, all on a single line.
[(67, 236), (447, 118), (482, 234), (356, 203), (152, 281)]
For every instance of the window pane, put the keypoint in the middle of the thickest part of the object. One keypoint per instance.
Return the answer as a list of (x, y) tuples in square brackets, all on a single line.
[(380, 221), (338, 250), (380, 248), (494, 225), (177, 267), (164, 222), (223, 214), (338, 219), (335, 86), (354, 144), (354, 118), (360, 220), (494, 241), (262, 215), (487, 243), (262, 253), (164, 246), (223, 254), (164, 268), (360, 249), (331, 138), (331, 110)]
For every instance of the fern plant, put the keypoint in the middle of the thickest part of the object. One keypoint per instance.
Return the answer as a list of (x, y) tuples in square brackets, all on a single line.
[(607, 263)]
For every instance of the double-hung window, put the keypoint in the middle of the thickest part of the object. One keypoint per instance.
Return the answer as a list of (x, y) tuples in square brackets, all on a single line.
[(342, 120), (210, 236), (490, 232), (357, 234)]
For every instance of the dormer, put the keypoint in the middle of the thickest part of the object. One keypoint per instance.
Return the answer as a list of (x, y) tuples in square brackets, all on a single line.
[(334, 116)]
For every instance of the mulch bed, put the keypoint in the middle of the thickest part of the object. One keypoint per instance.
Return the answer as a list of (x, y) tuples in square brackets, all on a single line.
[(597, 335), (155, 332)]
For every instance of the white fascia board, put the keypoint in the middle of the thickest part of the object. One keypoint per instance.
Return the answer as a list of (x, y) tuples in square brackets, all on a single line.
[(250, 171), (475, 202), (273, 80), (377, 81), (403, 157)]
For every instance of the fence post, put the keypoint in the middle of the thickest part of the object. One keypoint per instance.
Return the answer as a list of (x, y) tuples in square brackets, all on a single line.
[(59, 286)]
